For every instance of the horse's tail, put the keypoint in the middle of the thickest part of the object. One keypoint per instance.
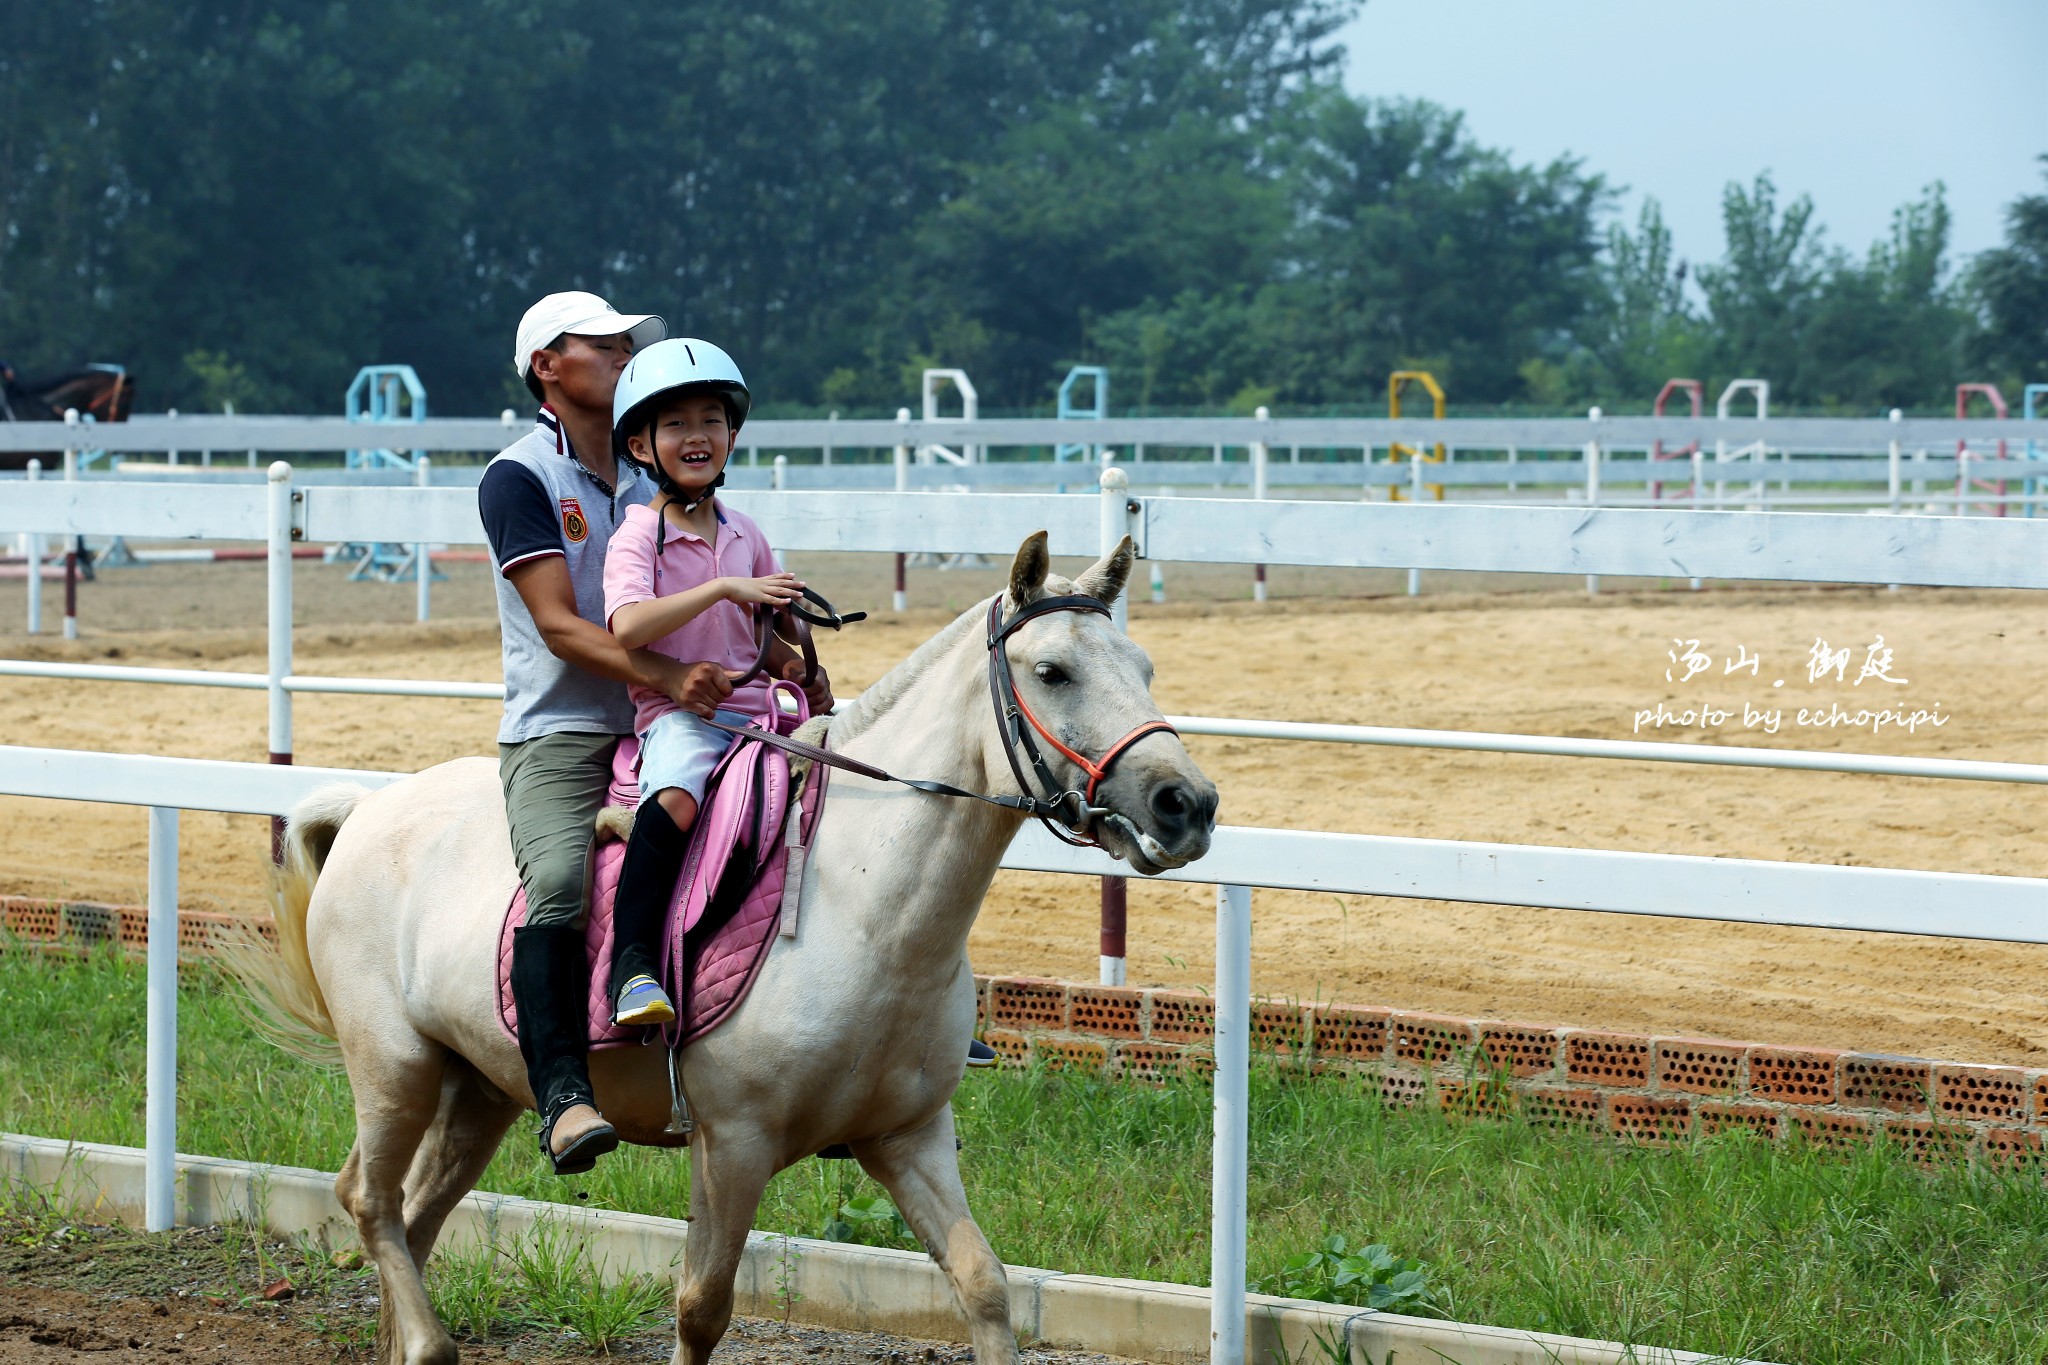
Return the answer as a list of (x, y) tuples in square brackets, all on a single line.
[(285, 1002)]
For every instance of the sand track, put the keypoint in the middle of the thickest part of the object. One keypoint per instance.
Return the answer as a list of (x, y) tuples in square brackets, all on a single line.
[(1539, 663)]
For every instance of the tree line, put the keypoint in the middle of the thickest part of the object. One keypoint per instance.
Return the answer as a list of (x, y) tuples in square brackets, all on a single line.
[(244, 200)]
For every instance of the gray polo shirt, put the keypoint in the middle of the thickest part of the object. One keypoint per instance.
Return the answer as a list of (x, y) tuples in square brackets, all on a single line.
[(537, 499)]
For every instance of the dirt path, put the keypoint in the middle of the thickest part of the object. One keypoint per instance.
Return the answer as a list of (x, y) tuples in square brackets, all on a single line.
[(1539, 663), (105, 1294)]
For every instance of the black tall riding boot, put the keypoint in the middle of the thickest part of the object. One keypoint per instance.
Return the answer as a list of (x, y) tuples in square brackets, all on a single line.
[(647, 885), (551, 984)]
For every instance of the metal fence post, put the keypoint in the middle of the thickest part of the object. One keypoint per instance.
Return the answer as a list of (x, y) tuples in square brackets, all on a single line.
[(1119, 517), (279, 562), (1231, 1162), (1593, 481), (76, 542), (1260, 454), (34, 547), (1415, 498), (423, 476), (902, 596), (1893, 469), (160, 1066)]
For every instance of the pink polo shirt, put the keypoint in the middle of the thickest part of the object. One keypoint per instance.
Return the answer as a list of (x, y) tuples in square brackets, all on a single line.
[(722, 634)]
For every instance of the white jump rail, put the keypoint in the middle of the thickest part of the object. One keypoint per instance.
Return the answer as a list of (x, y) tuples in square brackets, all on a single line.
[(1944, 904)]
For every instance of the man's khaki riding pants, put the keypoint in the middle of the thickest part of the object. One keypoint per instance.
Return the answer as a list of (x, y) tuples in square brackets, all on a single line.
[(554, 788)]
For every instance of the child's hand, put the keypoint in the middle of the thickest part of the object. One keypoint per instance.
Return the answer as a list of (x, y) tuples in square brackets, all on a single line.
[(776, 590)]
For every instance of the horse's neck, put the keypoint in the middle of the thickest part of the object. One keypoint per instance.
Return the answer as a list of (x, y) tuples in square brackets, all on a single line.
[(926, 861)]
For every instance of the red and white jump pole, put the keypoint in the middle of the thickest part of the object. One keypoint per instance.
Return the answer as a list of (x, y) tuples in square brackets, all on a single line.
[(1964, 482)]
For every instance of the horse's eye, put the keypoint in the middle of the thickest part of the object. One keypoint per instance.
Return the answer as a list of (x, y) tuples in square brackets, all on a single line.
[(1052, 675)]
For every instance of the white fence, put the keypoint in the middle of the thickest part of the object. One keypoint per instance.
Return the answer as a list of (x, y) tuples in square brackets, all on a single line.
[(1968, 552), (2011, 909), (1853, 435)]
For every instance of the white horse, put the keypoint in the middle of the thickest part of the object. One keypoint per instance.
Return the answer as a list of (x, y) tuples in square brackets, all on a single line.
[(855, 1031)]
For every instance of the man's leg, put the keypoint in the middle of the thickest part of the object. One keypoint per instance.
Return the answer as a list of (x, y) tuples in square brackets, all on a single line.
[(554, 788)]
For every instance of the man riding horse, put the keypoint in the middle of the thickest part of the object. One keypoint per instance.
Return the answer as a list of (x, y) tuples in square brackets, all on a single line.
[(550, 502)]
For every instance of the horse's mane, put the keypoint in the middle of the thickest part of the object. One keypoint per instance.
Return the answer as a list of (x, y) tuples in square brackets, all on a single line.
[(862, 710)]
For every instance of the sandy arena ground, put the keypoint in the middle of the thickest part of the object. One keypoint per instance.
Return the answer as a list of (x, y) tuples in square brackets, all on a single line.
[(1335, 647)]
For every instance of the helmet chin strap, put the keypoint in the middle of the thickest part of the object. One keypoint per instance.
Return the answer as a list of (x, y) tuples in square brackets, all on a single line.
[(673, 489)]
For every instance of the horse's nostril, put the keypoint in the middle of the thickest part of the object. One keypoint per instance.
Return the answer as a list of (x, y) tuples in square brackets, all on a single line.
[(1170, 803)]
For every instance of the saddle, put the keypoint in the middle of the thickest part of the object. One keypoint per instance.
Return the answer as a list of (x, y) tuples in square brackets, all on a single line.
[(740, 886)]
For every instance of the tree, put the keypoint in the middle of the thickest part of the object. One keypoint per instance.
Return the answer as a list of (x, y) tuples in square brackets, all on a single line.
[(1887, 331), (1760, 293), (1641, 330), (2010, 285), (1409, 242)]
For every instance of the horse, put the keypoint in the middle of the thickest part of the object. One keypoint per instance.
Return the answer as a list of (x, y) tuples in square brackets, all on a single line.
[(855, 1031), (105, 392)]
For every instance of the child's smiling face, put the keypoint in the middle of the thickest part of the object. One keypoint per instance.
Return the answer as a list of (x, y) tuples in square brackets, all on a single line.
[(693, 437)]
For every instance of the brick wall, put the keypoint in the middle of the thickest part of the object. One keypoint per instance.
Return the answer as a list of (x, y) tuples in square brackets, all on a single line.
[(87, 923), (1629, 1085), (1626, 1084)]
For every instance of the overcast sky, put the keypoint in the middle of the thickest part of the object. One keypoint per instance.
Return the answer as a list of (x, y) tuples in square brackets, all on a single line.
[(1857, 104)]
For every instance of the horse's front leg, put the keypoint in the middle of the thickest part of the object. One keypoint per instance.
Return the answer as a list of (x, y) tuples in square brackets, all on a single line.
[(729, 1168), (921, 1171)]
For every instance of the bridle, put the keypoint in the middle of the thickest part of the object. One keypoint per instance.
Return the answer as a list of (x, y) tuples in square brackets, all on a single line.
[(1013, 714), (1069, 815)]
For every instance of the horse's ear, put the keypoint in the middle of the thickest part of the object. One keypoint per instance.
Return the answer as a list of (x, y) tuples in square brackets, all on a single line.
[(1028, 570), (1105, 578)]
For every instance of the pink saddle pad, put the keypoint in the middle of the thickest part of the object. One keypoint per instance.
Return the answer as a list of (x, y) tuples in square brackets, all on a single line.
[(728, 901)]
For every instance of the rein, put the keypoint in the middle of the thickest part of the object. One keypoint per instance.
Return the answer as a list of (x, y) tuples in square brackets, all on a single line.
[(1069, 815)]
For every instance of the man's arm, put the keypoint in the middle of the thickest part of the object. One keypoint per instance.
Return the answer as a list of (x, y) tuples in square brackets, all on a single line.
[(543, 585)]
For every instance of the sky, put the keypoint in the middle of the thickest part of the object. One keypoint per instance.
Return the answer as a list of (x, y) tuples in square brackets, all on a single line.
[(1858, 105)]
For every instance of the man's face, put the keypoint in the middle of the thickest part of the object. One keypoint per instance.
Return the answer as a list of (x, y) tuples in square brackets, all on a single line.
[(585, 370)]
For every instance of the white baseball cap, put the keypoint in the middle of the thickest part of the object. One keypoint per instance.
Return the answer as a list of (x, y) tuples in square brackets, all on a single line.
[(584, 315)]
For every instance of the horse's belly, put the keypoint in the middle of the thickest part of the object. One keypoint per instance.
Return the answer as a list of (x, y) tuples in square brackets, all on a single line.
[(838, 1060)]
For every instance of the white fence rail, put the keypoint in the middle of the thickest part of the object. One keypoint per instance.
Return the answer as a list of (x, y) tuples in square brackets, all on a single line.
[(1973, 552), (1959, 905), (285, 435), (1968, 552)]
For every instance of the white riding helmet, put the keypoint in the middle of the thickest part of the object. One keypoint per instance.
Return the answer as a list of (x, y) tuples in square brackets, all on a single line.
[(664, 367)]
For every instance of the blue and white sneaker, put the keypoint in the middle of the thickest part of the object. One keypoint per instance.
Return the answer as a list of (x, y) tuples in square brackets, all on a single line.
[(980, 1053), (642, 1001)]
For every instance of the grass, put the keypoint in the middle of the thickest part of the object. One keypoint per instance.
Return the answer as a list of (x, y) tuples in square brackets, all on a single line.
[(1774, 1251)]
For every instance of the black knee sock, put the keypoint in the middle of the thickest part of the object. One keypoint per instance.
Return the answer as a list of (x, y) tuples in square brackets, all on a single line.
[(647, 883), (551, 982)]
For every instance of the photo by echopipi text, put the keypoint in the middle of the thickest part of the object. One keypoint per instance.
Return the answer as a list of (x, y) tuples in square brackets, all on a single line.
[(1872, 707)]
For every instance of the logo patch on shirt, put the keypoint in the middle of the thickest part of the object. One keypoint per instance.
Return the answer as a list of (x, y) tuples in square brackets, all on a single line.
[(574, 525)]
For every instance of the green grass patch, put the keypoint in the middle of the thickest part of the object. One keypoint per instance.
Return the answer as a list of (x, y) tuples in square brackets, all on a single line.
[(1726, 1245)]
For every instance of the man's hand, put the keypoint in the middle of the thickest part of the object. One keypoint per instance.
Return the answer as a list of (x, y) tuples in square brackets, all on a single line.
[(698, 688), (818, 692)]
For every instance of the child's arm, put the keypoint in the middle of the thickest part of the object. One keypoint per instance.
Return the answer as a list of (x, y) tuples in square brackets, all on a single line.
[(644, 622)]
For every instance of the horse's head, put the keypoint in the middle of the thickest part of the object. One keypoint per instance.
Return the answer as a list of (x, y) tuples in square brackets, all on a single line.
[(1090, 687)]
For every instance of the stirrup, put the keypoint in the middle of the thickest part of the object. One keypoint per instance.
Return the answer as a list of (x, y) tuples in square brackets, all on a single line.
[(582, 1154), (642, 1001)]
